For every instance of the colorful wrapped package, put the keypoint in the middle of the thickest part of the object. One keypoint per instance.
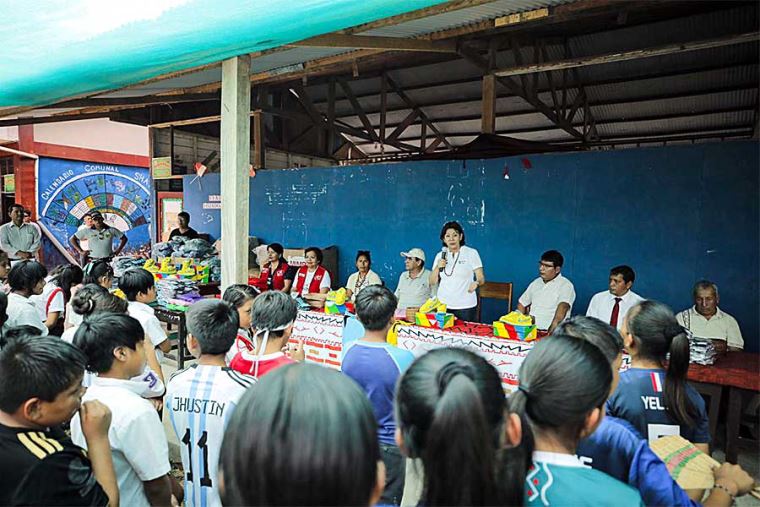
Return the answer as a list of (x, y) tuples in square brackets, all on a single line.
[(433, 314), (336, 302), (515, 326), (438, 320)]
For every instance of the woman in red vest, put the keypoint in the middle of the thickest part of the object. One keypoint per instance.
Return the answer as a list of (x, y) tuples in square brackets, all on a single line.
[(273, 272), (312, 278)]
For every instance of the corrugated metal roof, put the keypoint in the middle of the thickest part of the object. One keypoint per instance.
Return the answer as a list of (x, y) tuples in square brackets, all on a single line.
[(739, 99), (462, 17)]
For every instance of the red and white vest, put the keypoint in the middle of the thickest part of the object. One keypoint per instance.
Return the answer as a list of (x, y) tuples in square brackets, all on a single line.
[(316, 281)]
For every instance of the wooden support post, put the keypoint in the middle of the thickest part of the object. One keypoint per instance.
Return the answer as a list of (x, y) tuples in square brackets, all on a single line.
[(258, 141), (383, 104), (235, 159), (488, 116), (423, 136)]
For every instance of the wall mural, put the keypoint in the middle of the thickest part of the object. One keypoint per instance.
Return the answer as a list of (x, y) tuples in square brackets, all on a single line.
[(67, 189)]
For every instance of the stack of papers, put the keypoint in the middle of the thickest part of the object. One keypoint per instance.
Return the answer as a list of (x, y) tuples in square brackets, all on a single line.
[(702, 351)]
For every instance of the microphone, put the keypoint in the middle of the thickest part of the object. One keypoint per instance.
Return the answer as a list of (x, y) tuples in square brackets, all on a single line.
[(444, 251)]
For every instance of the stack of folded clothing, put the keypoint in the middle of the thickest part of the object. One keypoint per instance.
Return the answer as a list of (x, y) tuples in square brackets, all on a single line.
[(702, 351), (123, 263), (215, 265), (161, 250), (195, 248), (174, 288)]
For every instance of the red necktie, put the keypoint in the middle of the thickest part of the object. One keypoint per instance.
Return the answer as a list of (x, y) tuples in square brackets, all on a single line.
[(615, 312)]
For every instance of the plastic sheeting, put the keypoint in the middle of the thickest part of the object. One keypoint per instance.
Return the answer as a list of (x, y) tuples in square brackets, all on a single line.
[(54, 49)]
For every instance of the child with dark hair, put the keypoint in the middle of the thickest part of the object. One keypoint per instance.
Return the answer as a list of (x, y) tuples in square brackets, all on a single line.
[(201, 398), (564, 383), (241, 297), (272, 318), (656, 400), (139, 287), (93, 300), (616, 449), (26, 278), (114, 350), (97, 272), (376, 366), (288, 444), (51, 304), (452, 416), (5, 267), (42, 388)]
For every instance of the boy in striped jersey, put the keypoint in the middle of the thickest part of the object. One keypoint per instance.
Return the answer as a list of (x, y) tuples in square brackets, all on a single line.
[(201, 398)]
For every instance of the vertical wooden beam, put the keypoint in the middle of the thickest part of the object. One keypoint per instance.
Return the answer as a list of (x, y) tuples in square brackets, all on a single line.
[(383, 104), (235, 159), (488, 115), (423, 136), (258, 140)]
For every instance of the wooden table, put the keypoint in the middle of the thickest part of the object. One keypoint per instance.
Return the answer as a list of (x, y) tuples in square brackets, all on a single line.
[(177, 318), (739, 372)]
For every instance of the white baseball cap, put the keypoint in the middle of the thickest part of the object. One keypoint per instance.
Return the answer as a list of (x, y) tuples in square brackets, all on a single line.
[(414, 252)]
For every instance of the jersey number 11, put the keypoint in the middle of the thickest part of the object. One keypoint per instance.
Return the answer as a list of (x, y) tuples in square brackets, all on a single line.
[(205, 480)]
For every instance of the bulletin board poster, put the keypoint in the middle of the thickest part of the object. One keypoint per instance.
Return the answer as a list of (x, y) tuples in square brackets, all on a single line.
[(67, 189)]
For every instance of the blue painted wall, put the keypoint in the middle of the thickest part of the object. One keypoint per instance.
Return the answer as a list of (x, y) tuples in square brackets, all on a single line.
[(674, 214)]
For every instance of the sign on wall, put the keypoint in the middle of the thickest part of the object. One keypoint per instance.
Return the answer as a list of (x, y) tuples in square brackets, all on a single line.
[(67, 189)]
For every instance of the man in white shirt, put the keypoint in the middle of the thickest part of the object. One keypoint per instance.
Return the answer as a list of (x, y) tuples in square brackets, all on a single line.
[(611, 306), (550, 297), (19, 240), (414, 283), (706, 320)]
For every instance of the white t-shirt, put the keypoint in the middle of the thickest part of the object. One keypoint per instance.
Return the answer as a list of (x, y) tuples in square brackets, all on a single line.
[(148, 383), (457, 277), (602, 303), (372, 278), (150, 324), (23, 312), (544, 298), (138, 442), (200, 401), (324, 284), (51, 300)]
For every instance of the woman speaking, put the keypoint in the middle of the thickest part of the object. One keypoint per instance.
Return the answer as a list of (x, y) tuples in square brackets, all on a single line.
[(458, 272)]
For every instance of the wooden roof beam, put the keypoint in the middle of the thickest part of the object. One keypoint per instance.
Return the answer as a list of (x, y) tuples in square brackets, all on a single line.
[(637, 54), (372, 42)]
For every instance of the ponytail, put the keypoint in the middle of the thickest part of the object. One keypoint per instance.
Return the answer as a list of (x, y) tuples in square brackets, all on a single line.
[(450, 410), (561, 381), (93, 298), (459, 455), (677, 402), (657, 334)]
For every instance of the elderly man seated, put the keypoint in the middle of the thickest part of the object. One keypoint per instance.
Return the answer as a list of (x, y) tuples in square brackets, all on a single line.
[(706, 320)]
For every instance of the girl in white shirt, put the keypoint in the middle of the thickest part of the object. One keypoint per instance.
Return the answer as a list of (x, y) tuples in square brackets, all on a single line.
[(26, 279), (364, 277), (458, 272), (56, 294)]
